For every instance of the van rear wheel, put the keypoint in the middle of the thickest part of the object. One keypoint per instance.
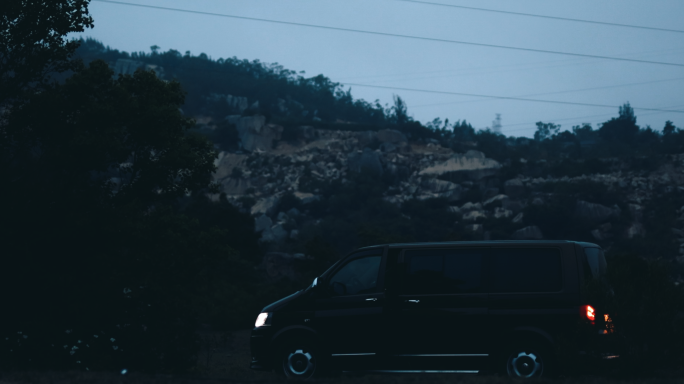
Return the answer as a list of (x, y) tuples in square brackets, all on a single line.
[(527, 360)]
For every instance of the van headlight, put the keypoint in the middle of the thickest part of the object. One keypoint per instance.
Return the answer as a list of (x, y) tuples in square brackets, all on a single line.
[(263, 320)]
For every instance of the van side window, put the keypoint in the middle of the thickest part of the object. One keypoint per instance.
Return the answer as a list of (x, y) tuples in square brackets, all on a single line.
[(435, 271), (358, 276), (596, 262), (525, 270)]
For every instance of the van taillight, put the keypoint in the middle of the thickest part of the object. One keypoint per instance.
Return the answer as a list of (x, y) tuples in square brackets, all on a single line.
[(589, 312)]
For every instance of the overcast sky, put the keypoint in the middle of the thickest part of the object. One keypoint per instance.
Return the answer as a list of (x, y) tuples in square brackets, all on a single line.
[(350, 57)]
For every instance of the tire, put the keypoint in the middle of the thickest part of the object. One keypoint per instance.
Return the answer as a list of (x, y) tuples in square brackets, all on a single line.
[(297, 361), (527, 361)]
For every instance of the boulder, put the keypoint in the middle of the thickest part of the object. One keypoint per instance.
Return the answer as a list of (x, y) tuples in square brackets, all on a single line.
[(498, 199), (306, 197), (513, 205), (439, 186), (537, 201), (262, 223), (368, 159), (634, 230), (265, 206), (474, 228), (518, 218), (391, 136), (388, 147), (279, 233), (474, 215), (306, 133), (254, 133), (474, 164), (528, 233), (502, 212), (594, 212), (365, 137), (467, 207), (514, 188)]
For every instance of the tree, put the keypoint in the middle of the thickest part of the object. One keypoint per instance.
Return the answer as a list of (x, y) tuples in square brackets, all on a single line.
[(33, 45), (545, 131), (94, 242), (669, 128), (622, 129)]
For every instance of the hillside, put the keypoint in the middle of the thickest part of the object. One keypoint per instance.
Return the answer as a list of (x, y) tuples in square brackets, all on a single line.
[(313, 165)]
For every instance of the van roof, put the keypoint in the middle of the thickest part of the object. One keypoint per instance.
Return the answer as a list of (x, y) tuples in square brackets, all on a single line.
[(484, 242)]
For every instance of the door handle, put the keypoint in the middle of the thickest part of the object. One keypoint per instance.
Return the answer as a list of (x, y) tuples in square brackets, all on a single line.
[(372, 299), (412, 301)]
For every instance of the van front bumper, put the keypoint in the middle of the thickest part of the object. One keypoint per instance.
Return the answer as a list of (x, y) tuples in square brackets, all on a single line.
[(259, 344)]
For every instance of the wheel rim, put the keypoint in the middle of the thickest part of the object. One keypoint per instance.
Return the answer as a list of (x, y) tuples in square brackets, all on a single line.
[(299, 363), (525, 364)]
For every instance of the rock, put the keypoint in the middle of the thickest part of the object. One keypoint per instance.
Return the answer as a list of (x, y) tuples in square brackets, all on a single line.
[(537, 201), (306, 197), (254, 133), (474, 228), (513, 205), (594, 212), (293, 212), (365, 137), (265, 206), (498, 199), (283, 218), (467, 207), (637, 211), (391, 136), (501, 212), (597, 234), (279, 233), (514, 188), (388, 147), (306, 133), (455, 210), (490, 192), (368, 159), (678, 232), (474, 215), (440, 186), (474, 164), (262, 223), (294, 234), (636, 229), (528, 233), (518, 218)]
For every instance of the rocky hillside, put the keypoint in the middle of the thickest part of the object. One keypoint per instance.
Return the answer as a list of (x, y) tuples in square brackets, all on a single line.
[(286, 186)]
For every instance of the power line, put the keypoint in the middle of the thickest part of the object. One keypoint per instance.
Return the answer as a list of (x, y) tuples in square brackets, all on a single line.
[(546, 17), (504, 97), (559, 92), (395, 35)]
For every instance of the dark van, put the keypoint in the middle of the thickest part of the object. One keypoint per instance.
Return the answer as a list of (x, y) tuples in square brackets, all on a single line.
[(456, 307)]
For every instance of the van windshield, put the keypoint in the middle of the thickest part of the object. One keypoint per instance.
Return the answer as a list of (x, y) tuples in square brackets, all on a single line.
[(595, 262)]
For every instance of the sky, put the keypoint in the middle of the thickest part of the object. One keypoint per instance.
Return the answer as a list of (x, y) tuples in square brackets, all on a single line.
[(360, 60)]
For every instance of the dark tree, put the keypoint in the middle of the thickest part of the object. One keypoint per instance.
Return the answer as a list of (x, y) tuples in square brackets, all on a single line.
[(33, 44)]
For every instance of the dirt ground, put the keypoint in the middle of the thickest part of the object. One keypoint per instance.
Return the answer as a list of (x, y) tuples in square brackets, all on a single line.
[(225, 358)]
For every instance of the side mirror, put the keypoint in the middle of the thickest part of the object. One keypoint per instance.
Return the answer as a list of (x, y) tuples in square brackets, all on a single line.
[(315, 283)]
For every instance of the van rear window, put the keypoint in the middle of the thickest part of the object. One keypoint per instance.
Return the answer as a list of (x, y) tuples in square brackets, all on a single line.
[(595, 262), (525, 270)]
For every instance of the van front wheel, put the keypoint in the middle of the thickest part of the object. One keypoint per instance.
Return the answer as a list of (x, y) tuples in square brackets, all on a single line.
[(526, 362), (298, 361)]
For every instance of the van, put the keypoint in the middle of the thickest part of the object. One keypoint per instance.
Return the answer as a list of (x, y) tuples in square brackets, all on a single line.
[(460, 307)]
